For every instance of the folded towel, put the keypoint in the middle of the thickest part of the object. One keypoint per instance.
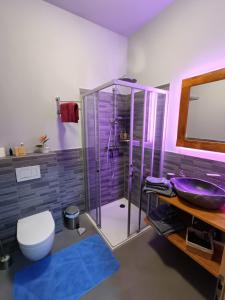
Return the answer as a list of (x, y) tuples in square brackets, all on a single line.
[(168, 192), (69, 112), (158, 185), (165, 219), (156, 180), (166, 212), (166, 227)]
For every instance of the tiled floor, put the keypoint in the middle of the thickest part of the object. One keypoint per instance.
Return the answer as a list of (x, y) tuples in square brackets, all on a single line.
[(114, 221), (151, 268)]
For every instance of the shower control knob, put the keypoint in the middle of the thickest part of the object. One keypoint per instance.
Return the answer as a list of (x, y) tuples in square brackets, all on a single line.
[(131, 171)]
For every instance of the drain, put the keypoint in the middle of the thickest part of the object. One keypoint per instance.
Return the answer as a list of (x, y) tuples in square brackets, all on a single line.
[(122, 205)]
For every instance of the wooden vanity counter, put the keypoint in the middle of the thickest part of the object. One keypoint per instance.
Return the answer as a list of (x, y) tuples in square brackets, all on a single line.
[(216, 218)]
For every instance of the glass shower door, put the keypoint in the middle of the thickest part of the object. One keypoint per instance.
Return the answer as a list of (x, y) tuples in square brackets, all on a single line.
[(139, 100), (92, 157)]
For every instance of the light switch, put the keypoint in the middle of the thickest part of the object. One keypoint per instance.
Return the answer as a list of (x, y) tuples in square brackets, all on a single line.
[(28, 173)]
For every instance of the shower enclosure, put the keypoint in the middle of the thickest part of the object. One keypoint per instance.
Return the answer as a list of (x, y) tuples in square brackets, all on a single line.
[(123, 142)]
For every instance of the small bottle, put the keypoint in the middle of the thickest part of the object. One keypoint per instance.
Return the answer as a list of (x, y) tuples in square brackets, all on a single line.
[(22, 150), (125, 136), (10, 151), (16, 151)]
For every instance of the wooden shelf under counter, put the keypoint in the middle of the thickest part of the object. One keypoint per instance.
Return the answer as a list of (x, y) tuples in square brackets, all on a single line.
[(215, 218), (215, 265), (211, 265)]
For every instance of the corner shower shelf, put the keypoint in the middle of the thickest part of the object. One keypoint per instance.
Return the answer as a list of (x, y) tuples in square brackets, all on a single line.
[(124, 141), (123, 117), (216, 265), (136, 143)]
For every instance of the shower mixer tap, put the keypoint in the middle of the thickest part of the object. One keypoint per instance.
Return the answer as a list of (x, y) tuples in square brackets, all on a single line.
[(131, 171)]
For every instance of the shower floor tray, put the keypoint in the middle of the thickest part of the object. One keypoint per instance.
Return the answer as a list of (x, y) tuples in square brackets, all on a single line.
[(114, 222)]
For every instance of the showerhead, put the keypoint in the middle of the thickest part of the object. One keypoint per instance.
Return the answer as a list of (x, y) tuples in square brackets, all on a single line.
[(128, 79)]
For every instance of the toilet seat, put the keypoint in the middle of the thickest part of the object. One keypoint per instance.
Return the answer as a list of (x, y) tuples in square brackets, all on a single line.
[(35, 229)]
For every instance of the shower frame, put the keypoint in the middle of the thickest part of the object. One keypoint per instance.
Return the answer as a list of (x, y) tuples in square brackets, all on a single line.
[(148, 95)]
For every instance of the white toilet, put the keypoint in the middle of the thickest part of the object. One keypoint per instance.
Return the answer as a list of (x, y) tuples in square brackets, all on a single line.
[(35, 235)]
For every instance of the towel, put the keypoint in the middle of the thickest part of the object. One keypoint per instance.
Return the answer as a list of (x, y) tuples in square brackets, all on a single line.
[(168, 192), (158, 185), (69, 112), (155, 181), (165, 219)]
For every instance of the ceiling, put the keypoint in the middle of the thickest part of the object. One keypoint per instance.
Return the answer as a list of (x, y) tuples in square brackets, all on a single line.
[(122, 16)]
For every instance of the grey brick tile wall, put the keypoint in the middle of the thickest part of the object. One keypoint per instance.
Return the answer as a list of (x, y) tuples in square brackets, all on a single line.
[(60, 185), (194, 167)]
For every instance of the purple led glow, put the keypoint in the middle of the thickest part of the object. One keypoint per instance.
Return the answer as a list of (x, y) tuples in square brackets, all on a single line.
[(151, 117), (215, 175), (173, 112), (201, 153)]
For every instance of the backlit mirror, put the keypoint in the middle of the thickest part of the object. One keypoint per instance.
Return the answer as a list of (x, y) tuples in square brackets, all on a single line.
[(202, 112)]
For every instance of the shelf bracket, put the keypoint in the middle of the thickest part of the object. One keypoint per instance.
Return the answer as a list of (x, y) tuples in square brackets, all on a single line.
[(220, 290)]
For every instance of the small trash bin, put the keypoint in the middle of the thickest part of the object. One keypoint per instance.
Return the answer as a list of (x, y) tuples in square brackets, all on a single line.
[(71, 217)]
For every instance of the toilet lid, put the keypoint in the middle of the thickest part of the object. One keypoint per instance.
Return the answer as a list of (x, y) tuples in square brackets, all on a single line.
[(35, 229)]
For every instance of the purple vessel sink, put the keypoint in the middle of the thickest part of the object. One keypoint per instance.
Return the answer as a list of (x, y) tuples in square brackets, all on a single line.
[(199, 192)]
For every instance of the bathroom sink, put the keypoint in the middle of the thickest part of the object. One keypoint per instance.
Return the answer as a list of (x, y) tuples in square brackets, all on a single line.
[(199, 192)]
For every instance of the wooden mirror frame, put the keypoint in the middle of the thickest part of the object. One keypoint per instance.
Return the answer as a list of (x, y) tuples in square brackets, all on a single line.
[(182, 140)]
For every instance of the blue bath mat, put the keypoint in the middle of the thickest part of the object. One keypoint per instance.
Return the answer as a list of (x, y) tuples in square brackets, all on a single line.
[(67, 274)]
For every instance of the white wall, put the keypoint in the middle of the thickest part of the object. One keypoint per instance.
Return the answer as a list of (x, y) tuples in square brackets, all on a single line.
[(47, 52), (186, 39)]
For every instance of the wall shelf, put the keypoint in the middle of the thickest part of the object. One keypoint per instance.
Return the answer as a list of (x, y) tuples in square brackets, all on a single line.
[(124, 141), (216, 265), (27, 155), (125, 118)]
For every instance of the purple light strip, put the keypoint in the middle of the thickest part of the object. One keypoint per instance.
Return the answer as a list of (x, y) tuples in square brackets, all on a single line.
[(174, 111), (201, 153), (151, 117)]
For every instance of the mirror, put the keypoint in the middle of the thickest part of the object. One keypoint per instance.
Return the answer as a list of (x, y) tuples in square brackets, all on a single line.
[(202, 112), (206, 112)]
